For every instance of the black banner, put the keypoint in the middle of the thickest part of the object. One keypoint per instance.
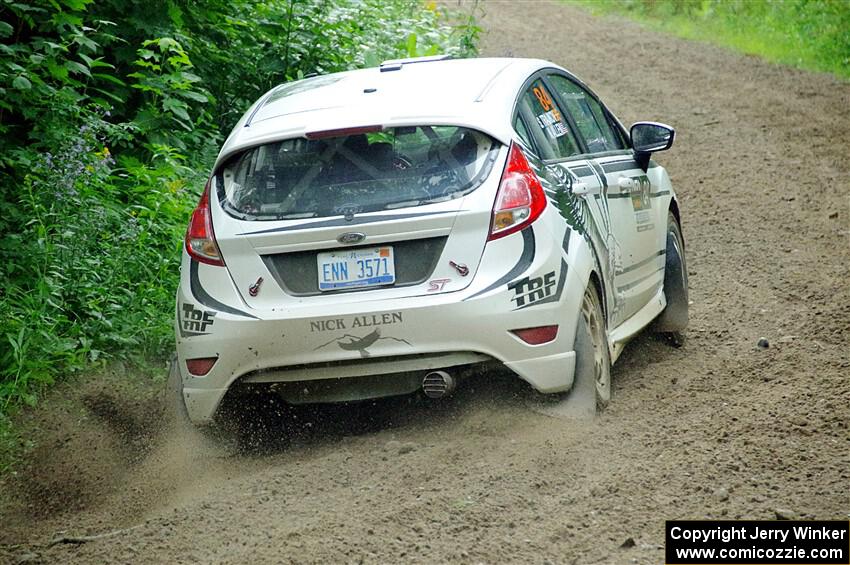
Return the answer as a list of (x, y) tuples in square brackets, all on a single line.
[(755, 542)]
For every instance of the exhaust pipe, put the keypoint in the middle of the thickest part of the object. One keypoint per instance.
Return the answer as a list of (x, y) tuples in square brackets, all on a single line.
[(438, 384)]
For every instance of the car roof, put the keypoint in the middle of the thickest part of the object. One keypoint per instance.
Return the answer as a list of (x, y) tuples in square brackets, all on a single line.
[(475, 93)]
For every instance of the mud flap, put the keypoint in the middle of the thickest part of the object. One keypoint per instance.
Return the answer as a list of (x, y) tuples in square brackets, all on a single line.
[(176, 404), (580, 401)]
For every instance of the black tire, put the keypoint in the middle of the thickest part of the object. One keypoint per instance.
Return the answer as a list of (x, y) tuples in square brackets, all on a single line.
[(593, 359), (674, 319)]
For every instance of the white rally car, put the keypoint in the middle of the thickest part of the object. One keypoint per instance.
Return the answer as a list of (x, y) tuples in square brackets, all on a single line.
[(369, 233)]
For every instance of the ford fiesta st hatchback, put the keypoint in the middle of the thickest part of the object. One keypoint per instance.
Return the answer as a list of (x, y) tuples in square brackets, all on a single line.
[(367, 233)]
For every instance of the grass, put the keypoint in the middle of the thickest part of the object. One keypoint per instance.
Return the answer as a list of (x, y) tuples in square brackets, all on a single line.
[(808, 34)]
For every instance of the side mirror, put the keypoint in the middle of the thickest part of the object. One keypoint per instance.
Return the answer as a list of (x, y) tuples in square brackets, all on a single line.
[(649, 137)]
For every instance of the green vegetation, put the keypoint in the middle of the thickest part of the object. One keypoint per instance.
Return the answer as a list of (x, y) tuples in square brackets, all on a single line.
[(110, 115), (810, 34)]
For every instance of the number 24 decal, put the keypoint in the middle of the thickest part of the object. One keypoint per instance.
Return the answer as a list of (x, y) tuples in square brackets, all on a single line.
[(546, 101)]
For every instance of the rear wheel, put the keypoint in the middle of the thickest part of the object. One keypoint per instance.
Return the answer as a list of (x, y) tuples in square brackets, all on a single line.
[(591, 390), (593, 359)]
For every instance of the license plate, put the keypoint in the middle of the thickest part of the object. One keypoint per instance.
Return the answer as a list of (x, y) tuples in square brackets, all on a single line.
[(356, 268)]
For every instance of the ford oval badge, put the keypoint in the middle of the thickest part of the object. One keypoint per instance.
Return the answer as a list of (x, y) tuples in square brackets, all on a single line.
[(351, 237)]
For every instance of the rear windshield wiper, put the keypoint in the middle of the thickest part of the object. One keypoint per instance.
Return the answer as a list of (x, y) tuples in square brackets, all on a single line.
[(403, 204), (296, 216)]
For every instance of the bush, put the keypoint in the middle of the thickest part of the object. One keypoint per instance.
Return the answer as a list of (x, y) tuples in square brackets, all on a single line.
[(93, 269), (105, 143)]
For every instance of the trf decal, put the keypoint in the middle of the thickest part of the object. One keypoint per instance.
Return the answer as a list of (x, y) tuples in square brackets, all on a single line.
[(194, 321), (529, 290)]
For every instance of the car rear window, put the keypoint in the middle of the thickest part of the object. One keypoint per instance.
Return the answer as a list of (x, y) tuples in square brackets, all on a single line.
[(394, 168)]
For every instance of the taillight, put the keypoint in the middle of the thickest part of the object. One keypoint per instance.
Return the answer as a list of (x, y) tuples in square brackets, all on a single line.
[(520, 199), (200, 238), (538, 335)]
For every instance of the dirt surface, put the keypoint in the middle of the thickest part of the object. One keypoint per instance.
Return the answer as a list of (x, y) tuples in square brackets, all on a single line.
[(717, 429)]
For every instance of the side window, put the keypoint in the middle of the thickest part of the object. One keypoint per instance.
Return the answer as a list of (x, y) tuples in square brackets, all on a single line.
[(520, 128), (555, 131), (590, 118)]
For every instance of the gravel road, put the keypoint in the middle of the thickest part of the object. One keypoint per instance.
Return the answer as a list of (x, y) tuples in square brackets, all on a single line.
[(719, 428)]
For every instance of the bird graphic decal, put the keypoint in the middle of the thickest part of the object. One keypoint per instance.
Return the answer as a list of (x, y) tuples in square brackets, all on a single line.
[(354, 343)]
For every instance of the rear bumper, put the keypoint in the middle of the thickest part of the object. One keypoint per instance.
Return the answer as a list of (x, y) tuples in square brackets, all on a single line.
[(261, 350), (380, 336)]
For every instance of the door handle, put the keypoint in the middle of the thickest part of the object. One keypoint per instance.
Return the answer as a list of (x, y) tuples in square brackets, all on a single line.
[(583, 189)]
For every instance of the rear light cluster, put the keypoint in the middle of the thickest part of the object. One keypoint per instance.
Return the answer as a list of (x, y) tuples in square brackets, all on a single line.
[(520, 199), (200, 238)]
